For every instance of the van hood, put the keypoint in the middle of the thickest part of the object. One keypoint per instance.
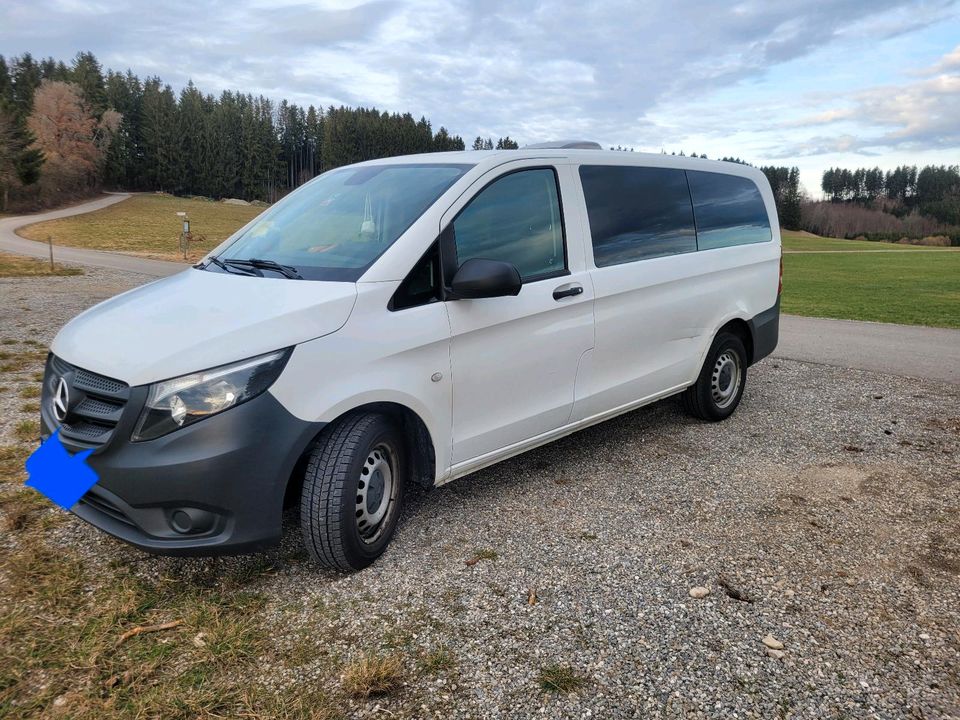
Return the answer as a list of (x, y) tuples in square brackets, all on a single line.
[(197, 320)]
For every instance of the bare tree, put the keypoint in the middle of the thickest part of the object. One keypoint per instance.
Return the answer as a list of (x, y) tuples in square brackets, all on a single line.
[(73, 141)]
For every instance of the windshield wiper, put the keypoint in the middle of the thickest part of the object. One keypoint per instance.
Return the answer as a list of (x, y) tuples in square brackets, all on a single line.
[(226, 268), (287, 271)]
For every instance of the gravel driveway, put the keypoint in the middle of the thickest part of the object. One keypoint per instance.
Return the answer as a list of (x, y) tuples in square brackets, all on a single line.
[(829, 504)]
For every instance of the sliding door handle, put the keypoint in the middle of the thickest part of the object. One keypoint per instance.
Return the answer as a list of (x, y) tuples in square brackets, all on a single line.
[(568, 290)]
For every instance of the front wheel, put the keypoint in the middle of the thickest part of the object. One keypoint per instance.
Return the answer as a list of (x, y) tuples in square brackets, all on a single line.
[(717, 392), (353, 491)]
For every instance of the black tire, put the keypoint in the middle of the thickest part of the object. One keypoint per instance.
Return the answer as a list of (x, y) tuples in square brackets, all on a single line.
[(704, 399), (332, 489)]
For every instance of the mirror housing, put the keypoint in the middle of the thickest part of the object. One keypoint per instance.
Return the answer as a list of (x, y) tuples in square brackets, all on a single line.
[(482, 278)]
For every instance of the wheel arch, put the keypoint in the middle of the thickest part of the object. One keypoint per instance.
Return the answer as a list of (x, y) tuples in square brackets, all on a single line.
[(420, 446), (740, 328)]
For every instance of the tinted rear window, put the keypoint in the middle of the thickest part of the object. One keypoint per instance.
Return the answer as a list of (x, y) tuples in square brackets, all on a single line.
[(637, 212), (729, 210)]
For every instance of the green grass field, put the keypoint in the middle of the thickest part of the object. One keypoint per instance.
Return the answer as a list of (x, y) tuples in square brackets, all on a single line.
[(909, 288), (146, 225)]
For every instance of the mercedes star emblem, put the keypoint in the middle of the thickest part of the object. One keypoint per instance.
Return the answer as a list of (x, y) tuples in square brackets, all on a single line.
[(61, 400)]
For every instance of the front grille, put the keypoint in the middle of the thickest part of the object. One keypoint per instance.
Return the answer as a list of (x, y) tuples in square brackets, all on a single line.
[(93, 408), (86, 430), (98, 383), (96, 403)]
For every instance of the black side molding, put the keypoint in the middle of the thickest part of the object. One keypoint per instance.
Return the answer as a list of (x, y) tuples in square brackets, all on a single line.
[(765, 328)]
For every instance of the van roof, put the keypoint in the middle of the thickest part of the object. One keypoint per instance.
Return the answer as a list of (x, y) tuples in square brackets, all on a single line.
[(485, 159)]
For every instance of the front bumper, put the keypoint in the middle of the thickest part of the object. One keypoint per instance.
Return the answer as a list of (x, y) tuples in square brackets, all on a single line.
[(214, 487)]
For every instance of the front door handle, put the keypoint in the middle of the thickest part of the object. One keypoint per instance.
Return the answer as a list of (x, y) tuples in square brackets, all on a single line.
[(568, 290)]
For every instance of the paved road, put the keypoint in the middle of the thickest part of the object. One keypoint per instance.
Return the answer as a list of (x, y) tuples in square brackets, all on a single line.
[(910, 350), (11, 242), (930, 353)]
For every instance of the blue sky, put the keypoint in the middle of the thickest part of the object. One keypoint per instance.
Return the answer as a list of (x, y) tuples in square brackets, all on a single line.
[(813, 84)]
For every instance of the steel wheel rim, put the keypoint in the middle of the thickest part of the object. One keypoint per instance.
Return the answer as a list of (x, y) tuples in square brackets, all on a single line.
[(725, 379), (376, 492)]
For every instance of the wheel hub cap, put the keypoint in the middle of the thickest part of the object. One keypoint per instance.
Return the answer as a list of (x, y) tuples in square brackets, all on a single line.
[(725, 378), (375, 490)]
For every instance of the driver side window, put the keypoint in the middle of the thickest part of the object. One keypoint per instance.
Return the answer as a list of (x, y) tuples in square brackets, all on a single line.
[(516, 219)]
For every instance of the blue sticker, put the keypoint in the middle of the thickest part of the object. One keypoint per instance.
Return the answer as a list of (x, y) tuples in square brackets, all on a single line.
[(62, 477)]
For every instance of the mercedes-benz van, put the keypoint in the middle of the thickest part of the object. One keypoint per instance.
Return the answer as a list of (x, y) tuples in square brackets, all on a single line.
[(408, 321)]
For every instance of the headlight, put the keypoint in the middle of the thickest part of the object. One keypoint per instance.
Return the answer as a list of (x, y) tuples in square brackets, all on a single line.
[(178, 402)]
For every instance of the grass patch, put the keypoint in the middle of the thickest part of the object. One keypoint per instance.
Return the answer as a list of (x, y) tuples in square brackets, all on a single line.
[(11, 462), (60, 642), (30, 391), (919, 288), (19, 361), (30, 407), (805, 242), (27, 430), (438, 660), (373, 674), (22, 266), (146, 225), (559, 679), (21, 509)]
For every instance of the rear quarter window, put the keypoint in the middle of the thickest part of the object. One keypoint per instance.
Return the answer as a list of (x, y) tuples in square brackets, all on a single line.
[(729, 210), (637, 213)]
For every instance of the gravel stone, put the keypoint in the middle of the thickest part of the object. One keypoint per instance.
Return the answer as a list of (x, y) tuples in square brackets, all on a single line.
[(771, 642)]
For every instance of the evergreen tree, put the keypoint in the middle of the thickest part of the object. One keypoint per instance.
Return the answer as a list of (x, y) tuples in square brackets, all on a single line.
[(20, 160), (88, 75), (26, 79), (159, 129), (6, 84)]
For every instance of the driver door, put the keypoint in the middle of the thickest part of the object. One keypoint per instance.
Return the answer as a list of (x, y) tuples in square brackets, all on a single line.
[(514, 359)]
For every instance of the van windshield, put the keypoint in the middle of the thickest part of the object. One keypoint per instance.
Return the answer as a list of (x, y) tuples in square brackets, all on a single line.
[(337, 225)]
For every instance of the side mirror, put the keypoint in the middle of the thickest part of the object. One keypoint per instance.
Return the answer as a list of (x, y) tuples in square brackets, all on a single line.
[(481, 278)]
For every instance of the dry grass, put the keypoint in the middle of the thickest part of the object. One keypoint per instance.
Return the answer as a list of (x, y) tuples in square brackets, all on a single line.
[(26, 430), (22, 509), (438, 660), (559, 679), (373, 674), (11, 462), (22, 266), (147, 225), (59, 642), (30, 391), (20, 361), (794, 241)]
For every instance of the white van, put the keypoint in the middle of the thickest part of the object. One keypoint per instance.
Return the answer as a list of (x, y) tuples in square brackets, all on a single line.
[(409, 321)]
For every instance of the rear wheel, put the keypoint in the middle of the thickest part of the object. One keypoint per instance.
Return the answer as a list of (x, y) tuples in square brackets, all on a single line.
[(353, 491), (717, 392)]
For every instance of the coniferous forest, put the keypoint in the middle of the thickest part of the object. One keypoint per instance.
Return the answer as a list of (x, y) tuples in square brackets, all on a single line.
[(66, 130)]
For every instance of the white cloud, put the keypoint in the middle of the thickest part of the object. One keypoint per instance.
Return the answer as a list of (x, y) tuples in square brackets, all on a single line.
[(674, 74), (919, 114)]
